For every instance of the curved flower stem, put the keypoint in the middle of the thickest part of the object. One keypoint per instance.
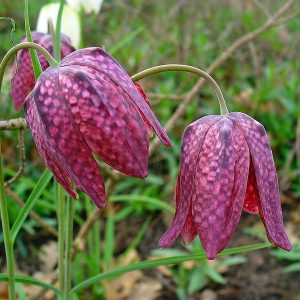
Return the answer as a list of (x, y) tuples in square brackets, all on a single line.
[(68, 247), (15, 49), (7, 237), (185, 68)]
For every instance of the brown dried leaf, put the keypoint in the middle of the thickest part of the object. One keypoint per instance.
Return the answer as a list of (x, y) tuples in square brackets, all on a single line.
[(48, 256), (122, 287), (162, 269), (147, 289), (3, 291)]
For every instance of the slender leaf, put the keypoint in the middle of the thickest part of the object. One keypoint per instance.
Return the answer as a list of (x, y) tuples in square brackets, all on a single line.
[(124, 213), (32, 281), (161, 262), (37, 68), (35, 194), (214, 275), (292, 268), (292, 256), (167, 252), (197, 280), (109, 240), (156, 203), (20, 291), (58, 31), (126, 40)]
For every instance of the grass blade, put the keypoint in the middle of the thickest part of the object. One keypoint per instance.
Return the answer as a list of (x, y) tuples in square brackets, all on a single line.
[(20, 291), (37, 68), (156, 203), (109, 240), (161, 262), (35, 194), (126, 40), (32, 281)]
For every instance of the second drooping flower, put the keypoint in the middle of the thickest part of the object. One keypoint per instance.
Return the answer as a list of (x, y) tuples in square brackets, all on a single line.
[(89, 104), (23, 81), (226, 166)]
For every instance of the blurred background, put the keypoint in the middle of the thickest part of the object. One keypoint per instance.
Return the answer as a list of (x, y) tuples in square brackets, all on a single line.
[(261, 79)]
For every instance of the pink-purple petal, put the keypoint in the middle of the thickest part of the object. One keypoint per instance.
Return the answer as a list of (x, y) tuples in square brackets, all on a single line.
[(145, 97), (111, 127), (101, 61), (65, 137), (44, 146), (266, 178), (192, 141), (189, 230), (220, 186)]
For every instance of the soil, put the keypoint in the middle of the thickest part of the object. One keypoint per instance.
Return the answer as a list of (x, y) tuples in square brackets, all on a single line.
[(259, 278)]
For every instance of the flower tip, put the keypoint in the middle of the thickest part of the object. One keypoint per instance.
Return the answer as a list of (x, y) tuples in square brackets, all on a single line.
[(285, 245), (144, 174), (99, 201), (168, 143), (211, 257), (163, 243), (167, 239), (166, 140), (139, 173), (211, 252), (73, 194), (288, 247)]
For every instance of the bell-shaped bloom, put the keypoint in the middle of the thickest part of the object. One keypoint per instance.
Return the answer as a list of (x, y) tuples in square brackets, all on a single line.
[(89, 104), (23, 82), (226, 167)]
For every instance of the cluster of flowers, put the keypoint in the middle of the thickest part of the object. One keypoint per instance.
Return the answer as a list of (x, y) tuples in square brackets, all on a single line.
[(89, 104)]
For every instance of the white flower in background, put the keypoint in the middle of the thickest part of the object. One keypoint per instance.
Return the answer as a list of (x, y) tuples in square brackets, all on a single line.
[(70, 23), (88, 5)]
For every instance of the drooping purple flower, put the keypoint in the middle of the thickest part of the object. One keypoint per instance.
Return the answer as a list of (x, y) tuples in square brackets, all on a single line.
[(226, 166), (89, 104), (23, 82)]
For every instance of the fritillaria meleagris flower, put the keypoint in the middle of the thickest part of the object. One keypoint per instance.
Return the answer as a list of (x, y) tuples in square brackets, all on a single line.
[(23, 82), (226, 166), (89, 104)]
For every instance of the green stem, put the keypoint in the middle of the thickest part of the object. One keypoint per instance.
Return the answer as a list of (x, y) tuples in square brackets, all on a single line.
[(58, 31), (60, 197), (7, 236), (185, 68), (15, 49), (37, 68), (63, 269), (68, 249)]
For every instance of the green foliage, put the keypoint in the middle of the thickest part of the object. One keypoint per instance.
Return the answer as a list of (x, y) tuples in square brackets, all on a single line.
[(191, 279), (293, 258), (38, 189)]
